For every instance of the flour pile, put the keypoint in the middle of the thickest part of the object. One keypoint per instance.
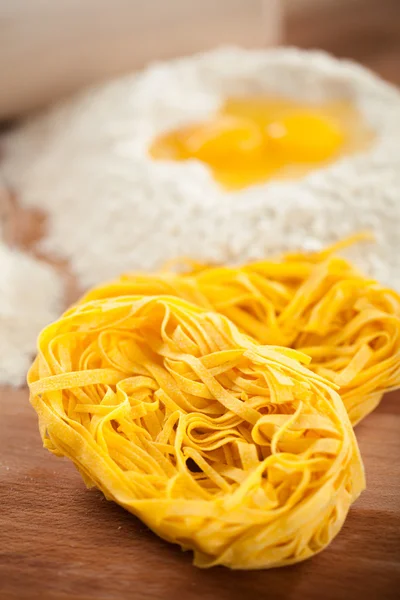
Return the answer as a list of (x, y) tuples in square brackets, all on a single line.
[(30, 297), (112, 208)]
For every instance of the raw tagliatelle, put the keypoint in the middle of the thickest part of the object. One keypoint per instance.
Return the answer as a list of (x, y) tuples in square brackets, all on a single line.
[(317, 303), (234, 450)]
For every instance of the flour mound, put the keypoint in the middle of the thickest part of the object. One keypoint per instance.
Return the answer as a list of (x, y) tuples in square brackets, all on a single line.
[(111, 208), (30, 297)]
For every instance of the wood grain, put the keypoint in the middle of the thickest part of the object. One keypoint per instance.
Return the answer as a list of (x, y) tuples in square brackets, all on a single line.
[(60, 541)]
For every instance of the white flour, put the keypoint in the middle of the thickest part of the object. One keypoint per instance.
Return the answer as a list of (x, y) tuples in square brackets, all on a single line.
[(30, 297), (111, 208)]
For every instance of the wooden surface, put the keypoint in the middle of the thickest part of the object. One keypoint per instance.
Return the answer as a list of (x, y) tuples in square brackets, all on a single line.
[(367, 31), (59, 541)]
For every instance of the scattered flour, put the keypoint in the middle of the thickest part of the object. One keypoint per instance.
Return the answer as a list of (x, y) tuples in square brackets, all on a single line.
[(30, 297), (111, 208)]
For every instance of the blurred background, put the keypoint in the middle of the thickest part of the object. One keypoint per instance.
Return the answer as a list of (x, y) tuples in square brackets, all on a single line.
[(49, 48)]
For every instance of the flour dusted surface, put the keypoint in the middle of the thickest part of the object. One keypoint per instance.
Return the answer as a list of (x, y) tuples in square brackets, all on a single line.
[(111, 208), (30, 298)]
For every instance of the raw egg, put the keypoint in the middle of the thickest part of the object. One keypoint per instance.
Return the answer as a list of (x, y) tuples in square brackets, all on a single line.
[(251, 140)]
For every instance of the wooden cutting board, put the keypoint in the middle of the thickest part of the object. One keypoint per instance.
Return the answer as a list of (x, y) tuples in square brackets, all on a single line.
[(60, 541)]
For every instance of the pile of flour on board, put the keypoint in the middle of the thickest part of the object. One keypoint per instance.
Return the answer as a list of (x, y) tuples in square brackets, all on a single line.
[(111, 208), (30, 297)]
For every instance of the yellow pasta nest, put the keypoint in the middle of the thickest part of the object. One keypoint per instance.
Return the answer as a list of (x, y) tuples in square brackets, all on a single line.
[(234, 450), (317, 303)]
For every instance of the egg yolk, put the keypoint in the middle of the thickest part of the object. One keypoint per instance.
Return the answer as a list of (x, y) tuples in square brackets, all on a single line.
[(226, 138), (252, 140), (303, 137)]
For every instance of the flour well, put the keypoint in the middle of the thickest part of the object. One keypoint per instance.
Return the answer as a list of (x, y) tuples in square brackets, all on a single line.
[(111, 208)]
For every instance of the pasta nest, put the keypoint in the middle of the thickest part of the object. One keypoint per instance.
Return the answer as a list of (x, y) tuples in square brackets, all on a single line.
[(234, 450), (317, 303)]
